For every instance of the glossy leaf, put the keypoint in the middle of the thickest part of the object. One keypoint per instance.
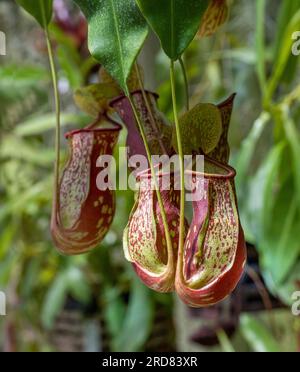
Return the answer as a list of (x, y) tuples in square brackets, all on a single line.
[(41, 10), (176, 22), (117, 32)]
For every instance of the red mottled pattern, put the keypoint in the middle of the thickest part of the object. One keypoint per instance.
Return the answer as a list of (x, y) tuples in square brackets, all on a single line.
[(158, 131), (83, 214), (214, 254), (144, 238)]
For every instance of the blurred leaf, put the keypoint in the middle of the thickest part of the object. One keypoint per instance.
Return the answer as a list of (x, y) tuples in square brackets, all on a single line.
[(68, 56), (279, 243), (286, 10), (138, 320), (225, 342), (176, 22), (41, 10), (9, 267), (29, 278), (77, 285), (117, 32), (285, 290), (54, 300), (260, 43), (294, 142), (27, 152), (257, 205), (36, 192), (39, 124), (7, 236), (16, 81), (114, 312), (281, 62), (248, 148), (258, 336)]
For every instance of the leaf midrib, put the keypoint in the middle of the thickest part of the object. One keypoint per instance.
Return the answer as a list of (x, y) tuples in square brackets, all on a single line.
[(172, 29), (120, 49)]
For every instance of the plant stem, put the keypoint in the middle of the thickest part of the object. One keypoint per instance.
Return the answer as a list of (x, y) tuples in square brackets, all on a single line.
[(152, 119), (156, 185), (57, 109), (186, 84), (181, 161)]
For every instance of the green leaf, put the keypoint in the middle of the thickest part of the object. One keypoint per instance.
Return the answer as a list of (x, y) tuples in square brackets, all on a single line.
[(257, 207), (138, 320), (292, 136), (36, 125), (176, 22), (225, 342), (258, 336), (260, 42), (41, 10), (54, 301), (286, 289), (78, 285), (248, 148), (282, 60), (114, 311), (279, 244), (117, 32), (286, 11)]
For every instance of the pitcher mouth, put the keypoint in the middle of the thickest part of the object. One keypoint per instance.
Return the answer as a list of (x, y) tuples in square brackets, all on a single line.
[(116, 127), (227, 171), (137, 91)]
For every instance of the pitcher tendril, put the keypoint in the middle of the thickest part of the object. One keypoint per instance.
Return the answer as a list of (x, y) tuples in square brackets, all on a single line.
[(57, 108), (181, 160), (186, 83)]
